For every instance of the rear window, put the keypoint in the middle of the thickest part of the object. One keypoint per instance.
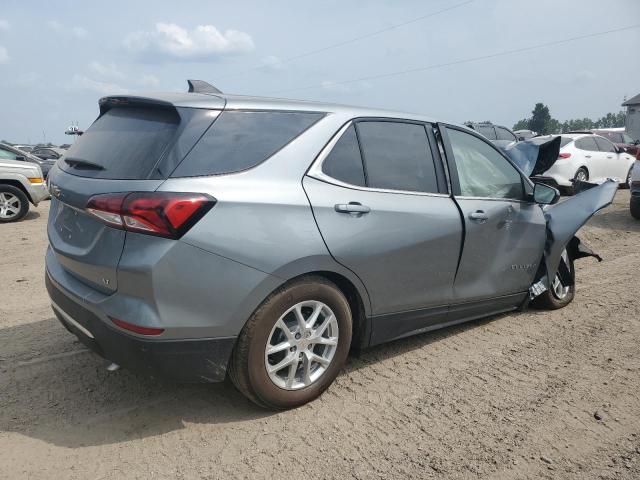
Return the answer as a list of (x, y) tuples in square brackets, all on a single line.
[(239, 140), (124, 143)]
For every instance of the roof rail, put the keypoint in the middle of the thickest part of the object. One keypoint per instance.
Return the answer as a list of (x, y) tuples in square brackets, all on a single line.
[(200, 86), (579, 131)]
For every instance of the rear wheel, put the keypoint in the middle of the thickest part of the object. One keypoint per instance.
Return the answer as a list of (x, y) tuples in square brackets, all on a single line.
[(582, 175), (14, 204), (627, 182), (294, 345), (634, 207), (558, 295)]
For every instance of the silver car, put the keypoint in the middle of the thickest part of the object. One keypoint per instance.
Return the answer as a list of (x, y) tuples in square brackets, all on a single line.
[(201, 235), (21, 183)]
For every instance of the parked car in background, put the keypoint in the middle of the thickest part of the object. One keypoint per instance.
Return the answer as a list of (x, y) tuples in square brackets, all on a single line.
[(497, 134), (525, 134), (24, 148), (9, 152), (589, 158), (634, 185), (21, 183), (49, 153), (203, 235), (621, 140)]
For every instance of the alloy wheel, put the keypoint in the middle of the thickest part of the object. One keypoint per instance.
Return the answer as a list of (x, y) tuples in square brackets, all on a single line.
[(581, 175), (560, 291), (301, 345), (10, 205)]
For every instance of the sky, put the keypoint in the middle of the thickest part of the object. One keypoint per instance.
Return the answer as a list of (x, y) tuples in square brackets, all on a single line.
[(58, 58)]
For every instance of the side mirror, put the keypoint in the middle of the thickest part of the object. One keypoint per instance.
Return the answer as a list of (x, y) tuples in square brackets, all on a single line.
[(620, 149), (545, 194), (20, 158), (521, 139)]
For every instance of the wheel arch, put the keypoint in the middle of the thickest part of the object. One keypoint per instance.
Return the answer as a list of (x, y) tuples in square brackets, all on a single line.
[(17, 184)]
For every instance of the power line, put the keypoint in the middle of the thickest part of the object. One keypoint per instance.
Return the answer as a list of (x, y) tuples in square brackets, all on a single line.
[(465, 60), (351, 40)]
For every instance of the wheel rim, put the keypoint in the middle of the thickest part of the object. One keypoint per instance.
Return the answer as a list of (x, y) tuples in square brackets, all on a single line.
[(10, 205), (581, 175), (301, 345), (559, 290), (629, 177)]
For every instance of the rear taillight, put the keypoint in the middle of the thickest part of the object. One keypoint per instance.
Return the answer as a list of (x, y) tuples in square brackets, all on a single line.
[(564, 155), (137, 328), (165, 214)]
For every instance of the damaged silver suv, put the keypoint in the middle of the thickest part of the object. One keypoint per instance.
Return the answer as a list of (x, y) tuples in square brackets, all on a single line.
[(201, 235)]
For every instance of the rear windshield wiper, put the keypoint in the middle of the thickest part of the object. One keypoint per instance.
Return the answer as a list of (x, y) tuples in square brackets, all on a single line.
[(82, 164)]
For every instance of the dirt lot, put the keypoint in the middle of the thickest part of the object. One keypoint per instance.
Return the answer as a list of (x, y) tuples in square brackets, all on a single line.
[(513, 396)]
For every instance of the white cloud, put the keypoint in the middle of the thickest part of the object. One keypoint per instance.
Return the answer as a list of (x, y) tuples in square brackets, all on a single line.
[(58, 27), (171, 41), (149, 81), (107, 70), (4, 25), (82, 82), (271, 63), (4, 55)]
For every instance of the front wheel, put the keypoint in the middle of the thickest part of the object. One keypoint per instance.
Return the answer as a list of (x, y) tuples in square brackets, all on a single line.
[(627, 182), (558, 295), (294, 345), (14, 204)]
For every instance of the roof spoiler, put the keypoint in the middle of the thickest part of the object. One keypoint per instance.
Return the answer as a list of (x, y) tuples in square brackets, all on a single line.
[(200, 86)]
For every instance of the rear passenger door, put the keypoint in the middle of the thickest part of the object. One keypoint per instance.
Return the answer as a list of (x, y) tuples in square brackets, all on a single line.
[(379, 196), (504, 230), (592, 158)]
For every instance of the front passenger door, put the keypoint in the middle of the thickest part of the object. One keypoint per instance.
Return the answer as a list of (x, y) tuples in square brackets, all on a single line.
[(504, 231)]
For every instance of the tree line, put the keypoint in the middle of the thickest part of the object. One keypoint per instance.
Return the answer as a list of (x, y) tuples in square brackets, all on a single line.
[(542, 122)]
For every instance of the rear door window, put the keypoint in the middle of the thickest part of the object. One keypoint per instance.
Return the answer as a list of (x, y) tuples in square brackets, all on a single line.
[(344, 162), (587, 143), (239, 140), (605, 145), (397, 156), (124, 143)]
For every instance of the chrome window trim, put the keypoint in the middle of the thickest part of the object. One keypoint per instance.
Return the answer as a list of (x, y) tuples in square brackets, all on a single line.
[(315, 171), (496, 199)]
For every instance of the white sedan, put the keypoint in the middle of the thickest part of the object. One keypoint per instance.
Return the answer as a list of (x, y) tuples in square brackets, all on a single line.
[(589, 158)]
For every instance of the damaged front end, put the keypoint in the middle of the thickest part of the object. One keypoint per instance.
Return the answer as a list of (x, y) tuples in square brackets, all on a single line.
[(564, 219)]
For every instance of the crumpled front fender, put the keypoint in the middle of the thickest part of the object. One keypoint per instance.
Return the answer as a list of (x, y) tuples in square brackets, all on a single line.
[(564, 219)]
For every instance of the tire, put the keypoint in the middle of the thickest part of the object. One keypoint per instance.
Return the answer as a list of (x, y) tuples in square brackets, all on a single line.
[(551, 299), (249, 360), (14, 204), (581, 172), (634, 207), (626, 183)]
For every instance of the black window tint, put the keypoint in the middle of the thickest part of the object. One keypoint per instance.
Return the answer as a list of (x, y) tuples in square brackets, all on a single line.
[(487, 131), (605, 145), (239, 140), (587, 143), (397, 156), (126, 142), (482, 171), (344, 163), (504, 134)]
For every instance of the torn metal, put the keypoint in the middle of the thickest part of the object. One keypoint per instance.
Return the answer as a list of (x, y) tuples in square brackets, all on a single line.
[(564, 219), (535, 155)]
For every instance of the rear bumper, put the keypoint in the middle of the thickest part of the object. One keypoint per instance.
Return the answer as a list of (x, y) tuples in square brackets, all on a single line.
[(190, 360)]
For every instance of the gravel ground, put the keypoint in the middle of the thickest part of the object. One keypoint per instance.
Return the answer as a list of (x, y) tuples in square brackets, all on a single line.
[(524, 395)]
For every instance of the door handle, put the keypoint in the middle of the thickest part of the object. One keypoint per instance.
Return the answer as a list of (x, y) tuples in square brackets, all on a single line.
[(479, 215), (587, 156), (609, 156), (352, 207)]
